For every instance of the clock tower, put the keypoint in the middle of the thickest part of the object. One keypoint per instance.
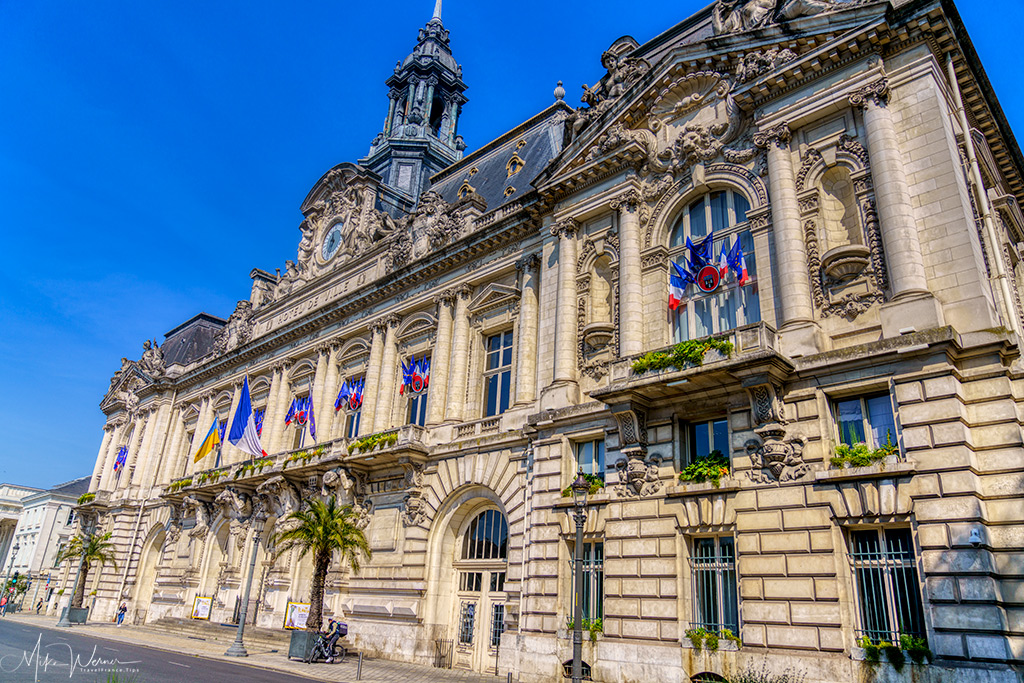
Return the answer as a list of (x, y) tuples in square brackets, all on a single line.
[(420, 135)]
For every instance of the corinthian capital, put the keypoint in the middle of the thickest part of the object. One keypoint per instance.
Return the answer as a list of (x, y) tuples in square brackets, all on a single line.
[(877, 93), (381, 325), (779, 135), (528, 263), (566, 228), (627, 201)]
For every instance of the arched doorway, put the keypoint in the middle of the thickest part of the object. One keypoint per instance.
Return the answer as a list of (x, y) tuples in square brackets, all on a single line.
[(479, 565), (145, 579)]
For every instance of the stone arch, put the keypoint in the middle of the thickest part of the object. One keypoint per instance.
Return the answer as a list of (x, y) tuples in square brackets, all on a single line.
[(301, 369), (353, 348), (722, 176), (218, 550), (145, 578), (416, 323), (222, 400), (850, 155), (260, 384)]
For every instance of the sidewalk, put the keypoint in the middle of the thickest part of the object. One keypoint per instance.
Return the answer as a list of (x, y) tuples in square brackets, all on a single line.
[(374, 670)]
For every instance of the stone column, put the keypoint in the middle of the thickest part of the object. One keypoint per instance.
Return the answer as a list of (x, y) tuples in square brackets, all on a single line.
[(900, 237), (202, 427), (565, 309), (631, 301), (142, 455), (800, 333), (270, 418), (101, 459), (151, 454), (386, 390), (369, 410), (325, 411), (172, 463), (526, 361), (316, 390), (440, 361), (284, 399), (106, 480), (459, 376), (124, 479), (393, 97), (790, 249)]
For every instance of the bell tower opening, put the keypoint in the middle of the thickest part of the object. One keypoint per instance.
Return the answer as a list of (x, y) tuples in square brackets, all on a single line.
[(420, 135)]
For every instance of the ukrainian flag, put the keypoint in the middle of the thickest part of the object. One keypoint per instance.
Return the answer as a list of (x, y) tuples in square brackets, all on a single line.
[(211, 442)]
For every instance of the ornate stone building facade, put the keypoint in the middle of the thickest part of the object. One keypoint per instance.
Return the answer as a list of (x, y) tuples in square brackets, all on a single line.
[(857, 153)]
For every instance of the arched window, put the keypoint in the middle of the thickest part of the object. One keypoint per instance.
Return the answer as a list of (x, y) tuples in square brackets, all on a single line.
[(486, 538), (730, 305)]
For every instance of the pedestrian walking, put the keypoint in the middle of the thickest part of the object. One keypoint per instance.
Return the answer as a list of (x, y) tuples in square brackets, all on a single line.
[(39, 605), (3, 605), (121, 612)]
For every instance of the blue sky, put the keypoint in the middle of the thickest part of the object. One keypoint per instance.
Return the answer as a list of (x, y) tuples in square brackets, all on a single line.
[(152, 154)]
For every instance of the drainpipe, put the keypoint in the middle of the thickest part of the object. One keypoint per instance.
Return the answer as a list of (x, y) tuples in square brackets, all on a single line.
[(981, 195)]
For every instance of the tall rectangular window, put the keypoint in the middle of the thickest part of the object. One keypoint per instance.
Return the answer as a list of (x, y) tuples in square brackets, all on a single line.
[(352, 423), (888, 591), (590, 457), (713, 567), (866, 419), (702, 438), (593, 581), (498, 374), (467, 621)]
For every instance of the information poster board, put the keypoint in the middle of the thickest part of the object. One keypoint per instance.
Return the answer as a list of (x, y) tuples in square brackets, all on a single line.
[(201, 607), (296, 614)]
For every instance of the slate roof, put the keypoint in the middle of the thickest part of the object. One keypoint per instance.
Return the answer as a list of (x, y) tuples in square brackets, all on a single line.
[(73, 488), (542, 135), (191, 340)]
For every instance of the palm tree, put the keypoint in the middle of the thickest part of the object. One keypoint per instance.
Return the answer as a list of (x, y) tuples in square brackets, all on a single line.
[(91, 549), (325, 529)]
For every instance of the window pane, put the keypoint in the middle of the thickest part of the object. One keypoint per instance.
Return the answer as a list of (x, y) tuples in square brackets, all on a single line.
[(599, 450), (585, 454), (720, 430), (851, 421), (751, 304), (728, 302), (719, 212), (506, 390), (492, 395), (742, 207), (747, 245), (883, 426), (702, 318), (700, 443), (680, 326), (698, 222)]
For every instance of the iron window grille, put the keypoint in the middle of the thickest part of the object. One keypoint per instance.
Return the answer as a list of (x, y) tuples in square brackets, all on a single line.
[(887, 586), (486, 538), (497, 624), (466, 623), (713, 571), (593, 581)]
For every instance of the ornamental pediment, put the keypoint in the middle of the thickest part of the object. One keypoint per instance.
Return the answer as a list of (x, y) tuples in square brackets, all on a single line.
[(493, 296), (125, 386)]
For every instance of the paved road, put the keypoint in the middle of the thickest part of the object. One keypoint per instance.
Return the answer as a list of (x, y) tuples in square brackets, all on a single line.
[(34, 655)]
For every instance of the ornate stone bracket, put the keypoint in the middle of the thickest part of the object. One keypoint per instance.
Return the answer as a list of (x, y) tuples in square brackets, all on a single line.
[(201, 510), (776, 458), (414, 511), (638, 477), (765, 402)]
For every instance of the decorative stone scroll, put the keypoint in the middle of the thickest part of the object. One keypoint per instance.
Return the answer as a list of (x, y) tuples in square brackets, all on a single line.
[(414, 511), (567, 227), (876, 93), (765, 403), (776, 458)]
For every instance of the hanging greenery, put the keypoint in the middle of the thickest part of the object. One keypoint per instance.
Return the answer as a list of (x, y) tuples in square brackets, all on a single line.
[(306, 455), (257, 465), (683, 355), (86, 498), (859, 455), (368, 443), (711, 467), (179, 484)]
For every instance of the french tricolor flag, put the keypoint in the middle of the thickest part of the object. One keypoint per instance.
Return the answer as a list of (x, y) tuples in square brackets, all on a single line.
[(723, 259), (244, 434), (678, 278), (738, 262)]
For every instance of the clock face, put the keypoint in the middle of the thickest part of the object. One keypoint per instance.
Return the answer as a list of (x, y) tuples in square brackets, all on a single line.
[(332, 242)]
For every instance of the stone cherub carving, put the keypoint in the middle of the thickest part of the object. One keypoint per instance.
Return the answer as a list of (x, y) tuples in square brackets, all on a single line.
[(341, 485), (238, 330), (282, 496), (776, 458)]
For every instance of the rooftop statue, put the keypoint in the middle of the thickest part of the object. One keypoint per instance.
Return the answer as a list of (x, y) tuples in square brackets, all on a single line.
[(733, 16)]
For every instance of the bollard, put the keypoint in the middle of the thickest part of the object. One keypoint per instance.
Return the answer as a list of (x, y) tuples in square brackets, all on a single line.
[(509, 677), (359, 668)]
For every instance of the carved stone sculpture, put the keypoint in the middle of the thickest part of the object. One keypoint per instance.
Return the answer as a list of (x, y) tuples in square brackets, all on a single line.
[(638, 477), (733, 16), (414, 512), (201, 510), (238, 330), (282, 498), (776, 458), (152, 362), (340, 484)]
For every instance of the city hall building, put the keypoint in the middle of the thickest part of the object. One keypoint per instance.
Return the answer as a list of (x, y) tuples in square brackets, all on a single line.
[(826, 192)]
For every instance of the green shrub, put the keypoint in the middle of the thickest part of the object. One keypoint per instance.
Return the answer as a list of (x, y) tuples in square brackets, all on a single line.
[(368, 443), (859, 455), (86, 498), (894, 653), (917, 648), (683, 355), (596, 484), (711, 467)]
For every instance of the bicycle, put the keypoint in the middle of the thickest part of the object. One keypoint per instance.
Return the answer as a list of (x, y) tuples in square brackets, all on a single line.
[(325, 649)]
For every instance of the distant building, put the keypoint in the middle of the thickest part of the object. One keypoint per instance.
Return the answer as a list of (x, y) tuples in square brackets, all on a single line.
[(846, 397), (11, 506)]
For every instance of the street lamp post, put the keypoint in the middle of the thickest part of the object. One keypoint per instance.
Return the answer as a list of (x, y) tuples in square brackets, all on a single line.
[(10, 569), (580, 489), (237, 648)]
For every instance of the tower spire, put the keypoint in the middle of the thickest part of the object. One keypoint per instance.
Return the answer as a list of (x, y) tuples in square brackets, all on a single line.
[(437, 11)]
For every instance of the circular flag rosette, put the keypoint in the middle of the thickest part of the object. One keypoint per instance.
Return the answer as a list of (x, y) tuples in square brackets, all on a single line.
[(417, 384), (355, 403), (708, 279)]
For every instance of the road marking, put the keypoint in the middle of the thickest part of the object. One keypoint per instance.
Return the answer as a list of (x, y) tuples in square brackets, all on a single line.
[(111, 649), (176, 664)]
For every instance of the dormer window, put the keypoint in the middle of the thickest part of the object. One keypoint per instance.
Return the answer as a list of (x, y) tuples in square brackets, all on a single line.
[(514, 165), (466, 189)]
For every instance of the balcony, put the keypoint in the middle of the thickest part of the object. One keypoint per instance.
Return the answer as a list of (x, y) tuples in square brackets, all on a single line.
[(754, 354)]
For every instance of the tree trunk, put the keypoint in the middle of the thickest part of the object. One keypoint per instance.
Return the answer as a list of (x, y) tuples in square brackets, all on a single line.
[(321, 562), (79, 597)]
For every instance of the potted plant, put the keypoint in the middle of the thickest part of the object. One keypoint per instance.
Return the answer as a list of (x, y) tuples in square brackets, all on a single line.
[(325, 529), (90, 549)]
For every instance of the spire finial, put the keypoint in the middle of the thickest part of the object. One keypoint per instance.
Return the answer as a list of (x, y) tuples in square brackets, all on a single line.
[(437, 11)]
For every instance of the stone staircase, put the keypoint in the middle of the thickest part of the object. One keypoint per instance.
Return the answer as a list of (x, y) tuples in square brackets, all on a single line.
[(258, 638)]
